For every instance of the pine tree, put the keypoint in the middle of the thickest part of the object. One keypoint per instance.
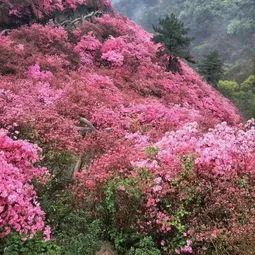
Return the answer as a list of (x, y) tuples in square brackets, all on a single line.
[(173, 35), (211, 67)]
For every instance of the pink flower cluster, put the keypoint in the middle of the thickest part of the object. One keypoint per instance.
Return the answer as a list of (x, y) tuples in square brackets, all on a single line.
[(19, 208), (36, 74), (87, 48), (65, 80), (222, 150)]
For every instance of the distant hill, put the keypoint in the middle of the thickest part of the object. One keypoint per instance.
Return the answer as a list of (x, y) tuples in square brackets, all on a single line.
[(227, 26)]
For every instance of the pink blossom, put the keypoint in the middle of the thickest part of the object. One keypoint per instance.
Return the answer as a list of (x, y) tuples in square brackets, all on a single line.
[(122, 188), (14, 12), (20, 48), (35, 73), (113, 57), (187, 249), (158, 180), (47, 233), (162, 243), (157, 188)]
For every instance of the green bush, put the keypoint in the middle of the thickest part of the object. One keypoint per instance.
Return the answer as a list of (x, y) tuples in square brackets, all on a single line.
[(146, 247), (73, 228), (15, 246), (242, 95), (83, 243)]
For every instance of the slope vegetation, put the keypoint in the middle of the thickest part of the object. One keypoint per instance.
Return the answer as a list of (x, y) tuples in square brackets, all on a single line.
[(157, 154)]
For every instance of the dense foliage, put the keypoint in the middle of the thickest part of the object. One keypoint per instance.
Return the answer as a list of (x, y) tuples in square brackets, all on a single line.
[(147, 159), (211, 67), (243, 95)]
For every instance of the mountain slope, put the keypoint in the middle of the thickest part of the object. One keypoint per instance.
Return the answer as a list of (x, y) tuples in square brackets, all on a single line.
[(108, 63), (143, 137)]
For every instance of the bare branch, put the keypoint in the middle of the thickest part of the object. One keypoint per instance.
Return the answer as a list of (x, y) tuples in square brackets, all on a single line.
[(83, 130), (88, 123), (5, 31), (78, 165)]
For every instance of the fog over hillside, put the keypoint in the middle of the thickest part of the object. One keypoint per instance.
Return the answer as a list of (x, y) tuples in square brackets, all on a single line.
[(136, 10), (227, 26)]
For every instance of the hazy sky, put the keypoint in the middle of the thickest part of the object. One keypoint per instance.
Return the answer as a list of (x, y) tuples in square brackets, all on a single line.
[(135, 13), (115, 1)]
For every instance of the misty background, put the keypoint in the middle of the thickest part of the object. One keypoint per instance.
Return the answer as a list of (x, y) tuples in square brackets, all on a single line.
[(224, 25)]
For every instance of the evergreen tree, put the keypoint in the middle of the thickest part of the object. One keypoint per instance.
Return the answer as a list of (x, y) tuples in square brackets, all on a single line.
[(173, 35), (211, 67)]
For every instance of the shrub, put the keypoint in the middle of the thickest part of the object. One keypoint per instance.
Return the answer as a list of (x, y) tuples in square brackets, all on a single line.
[(73, 229), (14, 245), (146, 247), (19, 207), (188, 192)]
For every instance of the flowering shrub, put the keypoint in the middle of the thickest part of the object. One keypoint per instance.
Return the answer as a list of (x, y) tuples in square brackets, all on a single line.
[(19, 208), (188, 190), (35, 73), (87, 48)]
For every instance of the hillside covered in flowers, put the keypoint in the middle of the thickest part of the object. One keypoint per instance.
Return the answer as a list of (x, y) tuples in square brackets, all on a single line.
[(161, 160)]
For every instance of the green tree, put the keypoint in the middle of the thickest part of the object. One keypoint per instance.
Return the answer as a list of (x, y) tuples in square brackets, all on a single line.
[(248, 102), (173, 35), (243, 95), (229, 89), (211, 67), (249, 84)]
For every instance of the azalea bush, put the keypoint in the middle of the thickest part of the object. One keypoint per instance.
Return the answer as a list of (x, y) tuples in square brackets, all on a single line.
[(190, 191), (19, 206)]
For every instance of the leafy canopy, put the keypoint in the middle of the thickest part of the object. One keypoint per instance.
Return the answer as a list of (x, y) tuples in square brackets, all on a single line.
[(173, 35), (242, 95), (211, 67)]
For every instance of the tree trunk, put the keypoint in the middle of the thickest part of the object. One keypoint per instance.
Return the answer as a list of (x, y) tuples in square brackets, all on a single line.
[(174, 64)]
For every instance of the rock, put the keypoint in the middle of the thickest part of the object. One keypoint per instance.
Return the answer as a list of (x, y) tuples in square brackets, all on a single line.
[(106, 249)]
